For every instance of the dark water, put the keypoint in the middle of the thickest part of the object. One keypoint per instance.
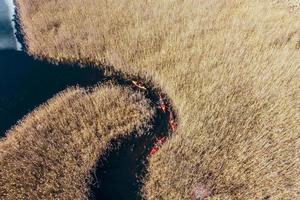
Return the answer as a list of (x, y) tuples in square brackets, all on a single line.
[(26, 83), (119, 173)]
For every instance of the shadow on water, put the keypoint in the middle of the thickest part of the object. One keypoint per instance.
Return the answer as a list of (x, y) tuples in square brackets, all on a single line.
[(26, 83)]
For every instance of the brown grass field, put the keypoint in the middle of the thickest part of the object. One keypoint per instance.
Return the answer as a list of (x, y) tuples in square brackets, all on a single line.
[(52, 151), (230, 67)]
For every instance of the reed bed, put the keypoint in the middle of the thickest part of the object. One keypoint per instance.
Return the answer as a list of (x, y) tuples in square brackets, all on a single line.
[(51, 153), (230, 67)]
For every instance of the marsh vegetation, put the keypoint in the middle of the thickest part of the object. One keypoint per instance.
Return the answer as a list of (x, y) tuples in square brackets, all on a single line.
[(51, 153), (230, 67)]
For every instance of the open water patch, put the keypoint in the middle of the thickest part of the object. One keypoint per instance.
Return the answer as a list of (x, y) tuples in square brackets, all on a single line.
[(26, 83)]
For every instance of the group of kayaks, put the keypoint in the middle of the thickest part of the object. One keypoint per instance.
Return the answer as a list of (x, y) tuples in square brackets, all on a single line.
[(164, 107)]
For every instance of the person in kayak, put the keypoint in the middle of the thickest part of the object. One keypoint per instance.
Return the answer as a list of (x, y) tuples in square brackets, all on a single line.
[(172, 123), (138, 84), (157, 144), (162, 103)]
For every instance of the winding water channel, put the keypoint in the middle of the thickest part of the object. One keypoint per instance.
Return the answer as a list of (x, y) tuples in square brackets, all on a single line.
[(26, 83)]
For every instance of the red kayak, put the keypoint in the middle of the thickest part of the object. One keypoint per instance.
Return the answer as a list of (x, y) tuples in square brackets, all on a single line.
[(162, 104), (158, 143), (172, 123)]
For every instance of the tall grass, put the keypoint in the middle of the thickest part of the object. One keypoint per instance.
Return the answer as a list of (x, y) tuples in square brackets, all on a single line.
[(50, 154), (230, 67)]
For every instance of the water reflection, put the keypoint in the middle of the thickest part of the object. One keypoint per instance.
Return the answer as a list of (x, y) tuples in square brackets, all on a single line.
[(7, 36)]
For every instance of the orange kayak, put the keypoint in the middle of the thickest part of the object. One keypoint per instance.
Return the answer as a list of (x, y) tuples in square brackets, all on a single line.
[(158, 143)]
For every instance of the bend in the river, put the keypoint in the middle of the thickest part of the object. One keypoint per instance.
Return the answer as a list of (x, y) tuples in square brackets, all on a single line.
[(26, 83)]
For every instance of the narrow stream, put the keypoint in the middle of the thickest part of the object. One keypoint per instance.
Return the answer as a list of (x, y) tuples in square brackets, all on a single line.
[(26, 83)]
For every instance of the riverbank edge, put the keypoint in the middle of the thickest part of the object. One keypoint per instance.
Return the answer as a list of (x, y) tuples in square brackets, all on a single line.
[(18, 26)]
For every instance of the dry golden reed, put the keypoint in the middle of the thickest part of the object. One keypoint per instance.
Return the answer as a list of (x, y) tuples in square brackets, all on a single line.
[(230, 67), (52, 151)]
